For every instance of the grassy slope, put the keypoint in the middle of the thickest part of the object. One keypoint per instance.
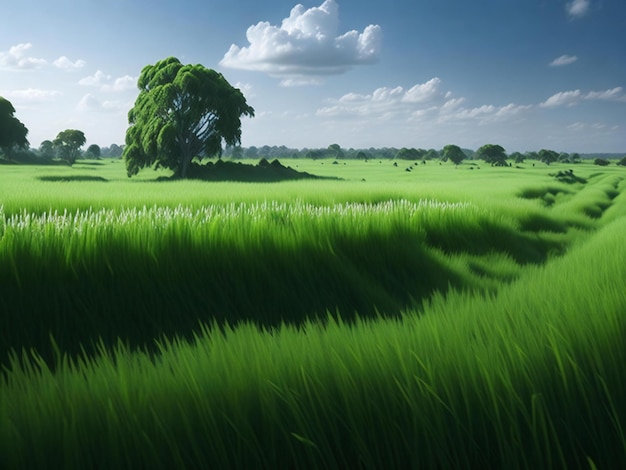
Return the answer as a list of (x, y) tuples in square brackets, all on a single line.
[(471, 381)]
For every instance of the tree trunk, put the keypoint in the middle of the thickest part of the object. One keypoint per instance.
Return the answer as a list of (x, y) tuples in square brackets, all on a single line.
[(184, 165)]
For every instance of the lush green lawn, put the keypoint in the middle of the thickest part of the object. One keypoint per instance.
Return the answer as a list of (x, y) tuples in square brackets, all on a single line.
[(443, 317)]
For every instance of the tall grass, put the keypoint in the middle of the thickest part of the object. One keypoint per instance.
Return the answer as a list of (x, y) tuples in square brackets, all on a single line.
[(109, 274), (532, 376)]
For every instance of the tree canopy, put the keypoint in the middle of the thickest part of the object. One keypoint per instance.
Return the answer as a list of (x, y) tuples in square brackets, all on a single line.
[(93, 151), (548, 156), (493, 154), (182, 112), (12, 132), (453, 153), (68, 143)]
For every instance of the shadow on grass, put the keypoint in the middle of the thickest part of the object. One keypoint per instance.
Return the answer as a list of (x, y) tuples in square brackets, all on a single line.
[(68, 178), (263, 172)]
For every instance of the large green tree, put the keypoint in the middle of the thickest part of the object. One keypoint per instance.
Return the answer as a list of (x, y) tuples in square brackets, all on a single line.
[(12, 132), (453, 153), (68, 144), (182, 112), (492, 153)]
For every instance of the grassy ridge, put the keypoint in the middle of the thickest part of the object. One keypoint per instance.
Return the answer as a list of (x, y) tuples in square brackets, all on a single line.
[(109, 274), (530, 376)]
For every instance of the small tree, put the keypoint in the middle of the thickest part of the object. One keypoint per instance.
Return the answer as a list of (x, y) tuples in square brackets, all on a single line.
[(12, 132), (93, 151), (336, 151), (622, 162), (46, 149), (68, 144), (453, 153), (601, 162), (493, 154)]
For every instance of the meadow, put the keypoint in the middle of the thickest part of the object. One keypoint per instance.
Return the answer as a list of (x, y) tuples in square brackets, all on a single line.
[(409, 316)]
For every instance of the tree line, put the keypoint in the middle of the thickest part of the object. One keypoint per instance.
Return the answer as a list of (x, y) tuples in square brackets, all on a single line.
[(186, 113)]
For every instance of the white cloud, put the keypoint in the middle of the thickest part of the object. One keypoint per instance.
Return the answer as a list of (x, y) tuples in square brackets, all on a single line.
[(614, 94), (563, 98), (17, 58), (577, 8), (563, 60), (125, 83), (97, 79), (423, 102), (571, 98), (30, 95), (306, 43), (103, 82), (90, 102), (424, 92), (66, 64)]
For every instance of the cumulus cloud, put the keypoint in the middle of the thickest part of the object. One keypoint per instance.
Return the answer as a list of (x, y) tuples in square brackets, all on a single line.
[(66, 64), (577, 8), (18, 58), (571, 98), (90, 102), (563, 60), (106, 83), (307, 43), (421, 102)]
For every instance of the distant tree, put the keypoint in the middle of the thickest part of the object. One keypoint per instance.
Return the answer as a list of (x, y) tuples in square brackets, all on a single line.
[(68, 144), (453, 153), (46, 149), (575, 158), (601, 161), (182, 112), (622, 162), (251, 152), (12, 132), (335, 151), (264, 151), (237, 152), (361, 155), (548, 156), (314, 154), (93, 151), (531, 156), (407, 154), (431, 154), (113, 151), (564, 157), (517, 157), (493, 154)]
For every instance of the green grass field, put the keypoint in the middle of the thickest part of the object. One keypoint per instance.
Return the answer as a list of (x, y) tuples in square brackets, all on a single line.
[(442, 317)]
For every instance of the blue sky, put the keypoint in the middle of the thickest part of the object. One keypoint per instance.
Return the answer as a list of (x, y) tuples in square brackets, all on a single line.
[(525, 74)]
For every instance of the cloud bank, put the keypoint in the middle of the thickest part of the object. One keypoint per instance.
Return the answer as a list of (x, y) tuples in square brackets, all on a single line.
[(423, 102), (305, 46)]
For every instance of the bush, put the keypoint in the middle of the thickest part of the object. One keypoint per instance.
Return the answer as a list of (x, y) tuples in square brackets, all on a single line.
[(601, 161)]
